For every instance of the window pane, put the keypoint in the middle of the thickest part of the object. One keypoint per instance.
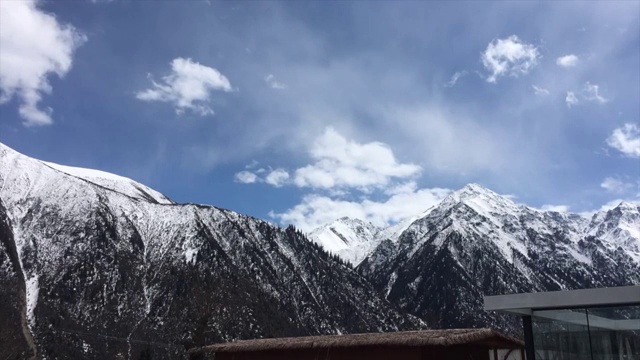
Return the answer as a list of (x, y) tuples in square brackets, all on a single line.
[(615, 332), (561, 335)]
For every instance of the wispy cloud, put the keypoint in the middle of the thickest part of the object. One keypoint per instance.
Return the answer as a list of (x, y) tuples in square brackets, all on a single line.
[(188, 87), (274, 83), (455, 77), (509, 57), (571, 99), (567, 61), (616, 185), (33, 46), (539, 90), (626, 139), (590, 92)]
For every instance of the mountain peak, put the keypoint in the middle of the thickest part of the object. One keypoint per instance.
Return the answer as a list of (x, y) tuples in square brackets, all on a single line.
[(628, 205), (473, 189), (53, 219), (48, 174), (480, 199), (7, 151), (348, 219), (350, 238)]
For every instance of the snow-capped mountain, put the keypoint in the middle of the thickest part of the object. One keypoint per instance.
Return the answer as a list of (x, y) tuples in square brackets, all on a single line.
[(98, 266), (618, 228), (93, 265), (353, 239), (476, 242), (350, 239), (116, 183)]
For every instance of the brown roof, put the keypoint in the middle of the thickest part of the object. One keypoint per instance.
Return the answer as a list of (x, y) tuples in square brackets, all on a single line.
[(487, 337)]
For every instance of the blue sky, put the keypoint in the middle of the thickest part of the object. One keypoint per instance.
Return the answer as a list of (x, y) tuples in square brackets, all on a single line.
[(301, 112)]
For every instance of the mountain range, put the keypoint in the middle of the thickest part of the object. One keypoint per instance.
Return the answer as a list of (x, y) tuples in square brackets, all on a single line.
[(94, 265), (439, 264)]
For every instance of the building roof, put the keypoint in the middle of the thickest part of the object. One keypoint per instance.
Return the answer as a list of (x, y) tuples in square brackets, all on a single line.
[(524, 304), (486, 337)]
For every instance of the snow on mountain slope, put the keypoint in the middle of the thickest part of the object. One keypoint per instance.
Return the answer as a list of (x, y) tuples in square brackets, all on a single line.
[(121, 184), (475, 210), (480, 212), (350, 239), (477, 242), (353, 239), (506, 223), (116, 264), (117, 183), (618, 228), (393, 232)]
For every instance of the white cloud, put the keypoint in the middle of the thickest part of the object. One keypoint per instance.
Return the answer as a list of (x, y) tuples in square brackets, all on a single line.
[(567, 61), (33, 45), (277, 177), (509, 57), (340, 162), (403, 201), (556, 208), (188, 87), (455, 77), (338, 165), (539, 90), (252, 165), (353, 179), (273, 83), (616, 185), (246, 177), (571, 99), (626, 139), (434, 134), (590, 93)]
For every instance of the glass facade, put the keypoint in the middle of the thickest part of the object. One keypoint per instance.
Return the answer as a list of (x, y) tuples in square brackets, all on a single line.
[(604, 333)]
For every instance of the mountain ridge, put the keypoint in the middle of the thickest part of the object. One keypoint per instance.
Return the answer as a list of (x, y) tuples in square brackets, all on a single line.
[(486, 244), (98, 254), (484, 201), (136, 271)]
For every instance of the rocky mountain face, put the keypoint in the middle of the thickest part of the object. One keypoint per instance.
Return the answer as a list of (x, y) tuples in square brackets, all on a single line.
[(95, 266), (476, 242)]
